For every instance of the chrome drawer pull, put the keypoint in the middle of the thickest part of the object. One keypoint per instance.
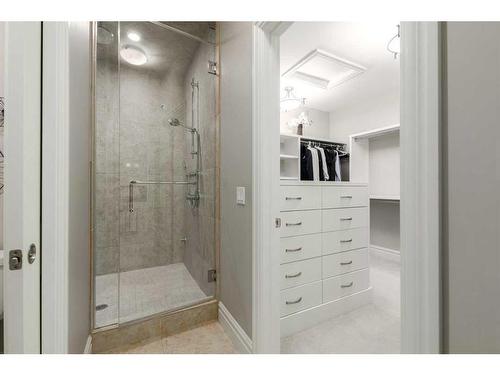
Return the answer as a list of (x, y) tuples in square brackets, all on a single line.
[(294, 302), (345, 263), (293, 198), (347, 285), (292, 276), (293, 250), (346, 196), (293, 224), (345, 218), (345, 241)]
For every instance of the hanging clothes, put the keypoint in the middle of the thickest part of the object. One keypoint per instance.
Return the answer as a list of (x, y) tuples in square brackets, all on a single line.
[(338, 172), (315, 163), (330, 162), (324, 166), (306, 164), (320, 165)]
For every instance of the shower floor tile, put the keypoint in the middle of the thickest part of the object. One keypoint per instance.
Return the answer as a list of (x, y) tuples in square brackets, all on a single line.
[(144, 292)]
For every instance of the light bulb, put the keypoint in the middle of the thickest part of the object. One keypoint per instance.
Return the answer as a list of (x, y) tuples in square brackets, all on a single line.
[(134, 36)]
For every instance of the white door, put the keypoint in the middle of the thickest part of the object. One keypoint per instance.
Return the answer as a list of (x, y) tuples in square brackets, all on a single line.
[(22, 185)]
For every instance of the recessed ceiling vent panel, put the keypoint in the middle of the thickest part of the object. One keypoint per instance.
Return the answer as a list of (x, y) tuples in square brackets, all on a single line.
[(324, 70)]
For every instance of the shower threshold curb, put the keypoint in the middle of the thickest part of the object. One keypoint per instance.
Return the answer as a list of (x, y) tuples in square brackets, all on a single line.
[(132, 333)]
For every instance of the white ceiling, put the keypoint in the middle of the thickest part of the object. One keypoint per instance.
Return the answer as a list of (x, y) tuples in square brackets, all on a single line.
[(362, 43)]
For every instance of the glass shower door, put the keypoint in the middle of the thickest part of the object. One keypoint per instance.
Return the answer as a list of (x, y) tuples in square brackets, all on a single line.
[(155, 125)]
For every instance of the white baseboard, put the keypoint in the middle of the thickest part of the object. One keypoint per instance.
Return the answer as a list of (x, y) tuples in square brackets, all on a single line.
[(308, 318), (240, 339), (384, 252), (88, 346)]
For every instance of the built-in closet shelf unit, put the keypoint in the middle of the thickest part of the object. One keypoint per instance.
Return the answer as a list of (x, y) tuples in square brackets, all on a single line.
[(374, 159), (323, 251), (289, 157), (290, 154)]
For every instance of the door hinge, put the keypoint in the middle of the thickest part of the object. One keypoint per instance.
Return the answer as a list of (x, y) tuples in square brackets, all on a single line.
[(212, 67), (212, 276)]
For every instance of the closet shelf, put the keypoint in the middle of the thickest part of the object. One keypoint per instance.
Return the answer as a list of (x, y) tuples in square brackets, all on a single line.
[(395, 198), (288, 178), (287, 156)]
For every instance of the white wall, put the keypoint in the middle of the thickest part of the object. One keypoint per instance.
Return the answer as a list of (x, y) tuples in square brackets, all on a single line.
[(2, 55), (384, 165), (236, 170), (2, 36), (381, 111), (471, 139), (320, 127)]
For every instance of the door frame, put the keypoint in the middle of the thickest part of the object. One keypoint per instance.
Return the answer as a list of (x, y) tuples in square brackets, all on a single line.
[(22, 199), (55, 187), (420, 187), (265, 186), (66, 175)]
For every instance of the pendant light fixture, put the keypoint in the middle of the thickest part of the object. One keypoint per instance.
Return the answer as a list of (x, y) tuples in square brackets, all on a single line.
[(290, 101), (300, 122), (394, 45)]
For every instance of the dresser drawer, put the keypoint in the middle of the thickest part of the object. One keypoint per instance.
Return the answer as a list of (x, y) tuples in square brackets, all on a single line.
[(297, 248), (344, 196), (344, 218), (344, 285), (301, 298), (344, 240), (297, 223), (338, 264), (300, 198), (301, 272)]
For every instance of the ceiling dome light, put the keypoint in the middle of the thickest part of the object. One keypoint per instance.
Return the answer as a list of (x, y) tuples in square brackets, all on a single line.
[(134, 37), (290, 102), (394, 45), (133, 55)]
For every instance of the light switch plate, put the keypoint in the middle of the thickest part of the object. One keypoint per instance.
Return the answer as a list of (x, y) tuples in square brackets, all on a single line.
[(240, 195)]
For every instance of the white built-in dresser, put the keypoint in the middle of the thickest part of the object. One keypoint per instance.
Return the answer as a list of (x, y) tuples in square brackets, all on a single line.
[(324, 258)]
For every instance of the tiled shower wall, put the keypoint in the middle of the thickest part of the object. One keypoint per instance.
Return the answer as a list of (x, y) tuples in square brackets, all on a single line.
[(151, 150), (135, 142), (140, 146), (199, 255)]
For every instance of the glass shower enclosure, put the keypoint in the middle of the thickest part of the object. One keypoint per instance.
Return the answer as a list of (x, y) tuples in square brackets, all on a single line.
[(154, 169)]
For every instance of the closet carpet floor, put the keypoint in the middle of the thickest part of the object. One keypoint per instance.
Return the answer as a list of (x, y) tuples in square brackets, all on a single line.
[(371, 329)]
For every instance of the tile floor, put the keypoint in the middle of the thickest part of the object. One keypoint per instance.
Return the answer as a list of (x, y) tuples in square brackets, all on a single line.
[(144, 292), (374, 328), (206, 339)]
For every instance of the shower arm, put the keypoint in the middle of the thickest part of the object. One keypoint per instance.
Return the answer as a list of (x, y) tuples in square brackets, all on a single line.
[(138, 182)]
